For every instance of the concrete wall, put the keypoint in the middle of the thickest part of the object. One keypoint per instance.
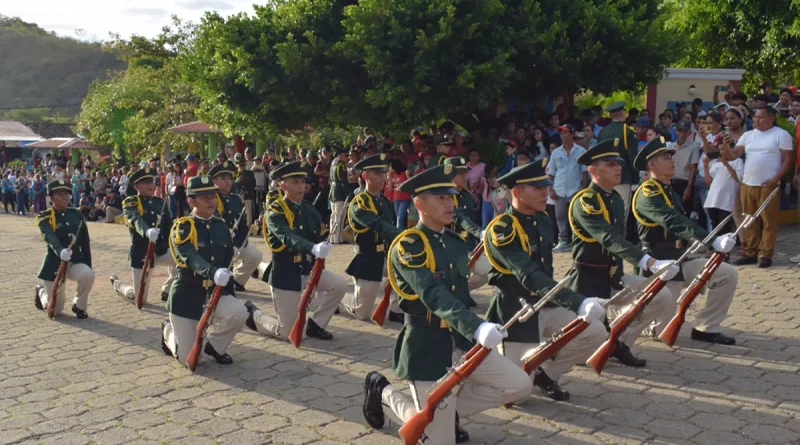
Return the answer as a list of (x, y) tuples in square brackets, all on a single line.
[(675, 86)]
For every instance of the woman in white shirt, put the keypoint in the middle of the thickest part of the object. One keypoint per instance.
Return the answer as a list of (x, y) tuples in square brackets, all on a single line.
[(722, 178)]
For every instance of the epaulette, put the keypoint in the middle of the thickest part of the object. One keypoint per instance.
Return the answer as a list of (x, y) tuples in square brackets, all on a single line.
[(134, 201), (502, 231), (651, 189), (365, 201), (175, 237), (48, 215), (590, 205), (413, 251)]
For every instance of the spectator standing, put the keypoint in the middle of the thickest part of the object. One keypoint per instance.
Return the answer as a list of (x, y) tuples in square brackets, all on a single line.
[(711, 137), (40, 191), (191, 169), (339, 187), (100, 185), (21, 189), (402, 200), (176, 190), (246, 186), (769, 157), (723, 178), (77, 187), (568, 178), (476, 175), (686, 157), (260, 173), (642, 125), (8, 193), (627, 148)]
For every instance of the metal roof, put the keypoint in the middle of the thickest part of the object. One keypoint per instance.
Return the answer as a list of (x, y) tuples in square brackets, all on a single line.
[(15, 131)]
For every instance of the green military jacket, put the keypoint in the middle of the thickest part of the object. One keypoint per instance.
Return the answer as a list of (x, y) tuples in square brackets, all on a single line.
[(428, 270), (661, 225), (436, 159), (57, 228), (373, 220), (200, 247), (520, 249), (463, 219), (229, 207), (141, 214), (292, 231), (598, 242), (338, 181), (628, 148)]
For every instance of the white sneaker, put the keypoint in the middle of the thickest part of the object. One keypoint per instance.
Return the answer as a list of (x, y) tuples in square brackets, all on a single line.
[(795, 259)]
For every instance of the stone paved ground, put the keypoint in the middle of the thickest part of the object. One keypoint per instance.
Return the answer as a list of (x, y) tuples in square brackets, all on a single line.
[(106, 381)]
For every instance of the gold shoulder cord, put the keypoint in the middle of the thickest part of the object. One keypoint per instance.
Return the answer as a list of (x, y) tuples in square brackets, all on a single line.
[(176, 238), (220, 207), (50, 217), (517, 231), (658, 190), (365, 202), (287, 212), (588, 209), (430, 261)]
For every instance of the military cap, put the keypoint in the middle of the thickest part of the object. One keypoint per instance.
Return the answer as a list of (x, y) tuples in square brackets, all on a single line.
[(602, 151), (224, 167), (616, 106), (436, 180), (57, 186), (142, 174), (289, 170), (200, 185), (443, 140), (457, 162), (373, 162), (652, 149), (532, 173)]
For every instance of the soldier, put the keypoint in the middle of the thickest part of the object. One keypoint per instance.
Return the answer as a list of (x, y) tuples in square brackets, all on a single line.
[(442, 150), (664, 231), (519, 244), (202, 246), (372, 219), (428, 269), (339, 189), (294, 233), (141, 212), (229, 207), (60, 225), (626, 150), (599, 246)]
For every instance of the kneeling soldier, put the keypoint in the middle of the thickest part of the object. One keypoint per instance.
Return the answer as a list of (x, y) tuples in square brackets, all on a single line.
[(519, 245), (427, 267), (141, 212), (664, 231), (203, 248), (61, 225)]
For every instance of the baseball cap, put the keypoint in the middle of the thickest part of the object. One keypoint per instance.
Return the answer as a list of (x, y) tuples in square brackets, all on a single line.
[(190, 157), (566, 127), (683, 125)]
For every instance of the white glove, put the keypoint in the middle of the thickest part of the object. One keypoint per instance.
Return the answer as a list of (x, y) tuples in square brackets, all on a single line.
[(483, 234), (66, 254), (321, 250), (724, 243), (489, 335), (222, 276), (668, 275), (152, 234), (591, 309)]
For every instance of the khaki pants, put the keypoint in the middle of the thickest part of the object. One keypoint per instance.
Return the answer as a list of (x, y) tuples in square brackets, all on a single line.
[(286, 301), (577, 351), (228, 320), (248, 211), (130, 292), (495, 382), (78, 272), (479, 274), (111, 213), (760, 236), (661, 307), (249, 259), (338, 210), (361, 303), (625, 190), (720, 290)]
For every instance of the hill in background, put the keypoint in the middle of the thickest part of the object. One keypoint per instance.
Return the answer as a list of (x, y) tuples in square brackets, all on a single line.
[(40, 69)]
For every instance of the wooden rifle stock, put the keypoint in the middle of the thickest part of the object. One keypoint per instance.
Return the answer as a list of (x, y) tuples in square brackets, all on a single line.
[(296, 335), (379, 314), (473, 258), (545, 351), (60, 277), (148, 258), (205, 320)]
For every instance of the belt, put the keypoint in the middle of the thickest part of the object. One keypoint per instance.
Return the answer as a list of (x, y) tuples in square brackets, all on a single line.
[(423, 321), (582, 265), (373, 249), (658, 245)]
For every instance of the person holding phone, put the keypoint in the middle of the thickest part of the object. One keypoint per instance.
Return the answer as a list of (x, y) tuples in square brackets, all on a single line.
[(723, 178)]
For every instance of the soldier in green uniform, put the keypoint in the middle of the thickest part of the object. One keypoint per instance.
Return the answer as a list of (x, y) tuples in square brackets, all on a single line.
[(599, 247), (519, 245), (202, 247), (295, 235), (59, 225), (442, 149), (666, 233), (229, 207), (141, 211), (338, 194), (626, 150), (372, 218), (427, 267)]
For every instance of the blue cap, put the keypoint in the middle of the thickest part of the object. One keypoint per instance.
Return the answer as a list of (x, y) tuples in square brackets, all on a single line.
[(190, 157), (643, 122)]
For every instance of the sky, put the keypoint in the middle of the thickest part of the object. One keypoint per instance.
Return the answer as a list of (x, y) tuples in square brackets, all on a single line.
[(98, 18)]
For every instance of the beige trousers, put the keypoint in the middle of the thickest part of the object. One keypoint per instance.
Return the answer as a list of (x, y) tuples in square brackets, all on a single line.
[(720, 289), (361, 303), (479, 274), (78, 272), (338, 210), (495, 382), (249, 259), (228, 320), (577, 351), (286, 301), (112, 213), (248, 211), (130, 292), (661, 307), (625, 190)]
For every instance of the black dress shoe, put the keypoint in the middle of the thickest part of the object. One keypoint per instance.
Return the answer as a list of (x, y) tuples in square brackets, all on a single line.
[(462, 436), (238, 287), (36, 300), (164, 296), (313, 330), (254, 274), (374, 385), (624, 355), (251, 309), (222, 359), (164, 346), (80, 313), (764, 262), (713, 337), (549, 386), (745, 260), (471, 303), (397, 317)]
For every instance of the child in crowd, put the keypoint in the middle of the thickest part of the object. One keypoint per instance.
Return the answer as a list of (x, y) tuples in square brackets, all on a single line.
[(493, 197), (723, 176)]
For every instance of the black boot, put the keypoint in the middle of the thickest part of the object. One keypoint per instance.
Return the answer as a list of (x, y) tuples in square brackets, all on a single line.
[(462, 436), (374, 385), (313, 330), (624, 355), (36, 300), (238, 287), (164, 296), (254, 274), (549, 386), (222, 359), (713, 337), (164, 346), (251, 309), (80, 313)]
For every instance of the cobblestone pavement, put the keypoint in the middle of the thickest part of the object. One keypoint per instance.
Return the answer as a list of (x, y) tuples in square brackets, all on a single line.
[(106, 381)]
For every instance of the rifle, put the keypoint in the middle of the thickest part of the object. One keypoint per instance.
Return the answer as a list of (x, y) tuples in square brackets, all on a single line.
[(296, 335), (211, 307), (475, 255), (670, 333), (412, 430), (148, 258), (61, 276)]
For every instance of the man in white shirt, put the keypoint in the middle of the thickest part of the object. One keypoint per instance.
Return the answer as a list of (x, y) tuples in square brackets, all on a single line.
[(686, 157), (769, 157), (568, 178)]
